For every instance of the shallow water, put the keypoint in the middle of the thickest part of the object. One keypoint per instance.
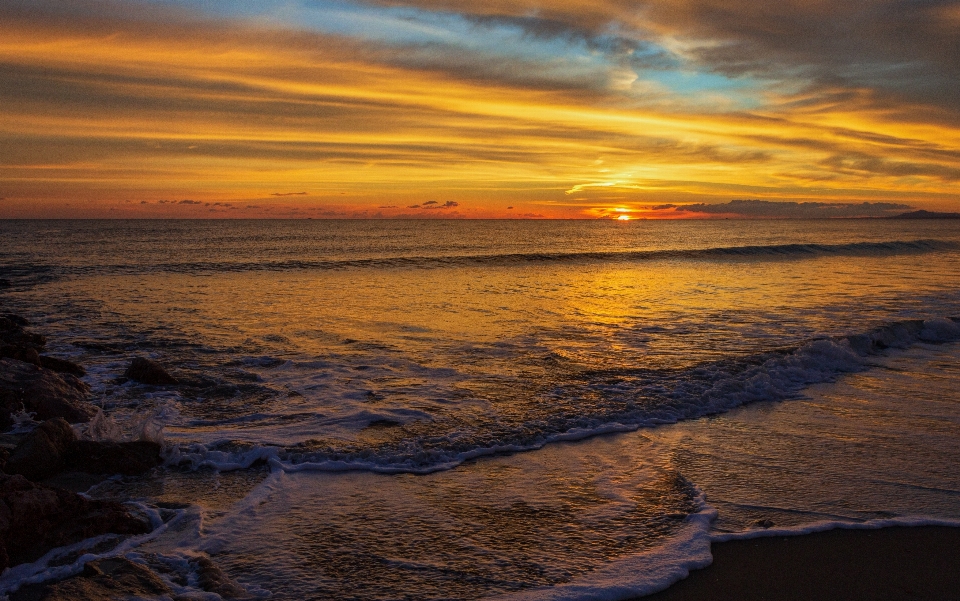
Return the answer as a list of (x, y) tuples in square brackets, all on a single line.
[(428, 395)]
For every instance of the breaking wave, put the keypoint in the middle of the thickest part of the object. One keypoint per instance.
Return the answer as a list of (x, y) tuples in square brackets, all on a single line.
[(583, 404), (27, 272)]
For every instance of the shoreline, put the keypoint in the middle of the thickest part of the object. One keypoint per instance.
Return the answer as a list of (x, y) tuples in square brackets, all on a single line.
[(895, 563)]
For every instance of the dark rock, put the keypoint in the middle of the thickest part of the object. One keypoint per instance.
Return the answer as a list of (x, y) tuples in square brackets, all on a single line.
[(41, 391), (62, 366), (765, 523), (149, 372), (16, 319), (103, 457), (13, 334), (101, 580), (20, 353), (212, 579), (36, 518), (43, 452), (53, 447)]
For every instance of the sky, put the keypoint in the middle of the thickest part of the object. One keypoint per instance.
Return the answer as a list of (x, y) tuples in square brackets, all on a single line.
[(492, 109)]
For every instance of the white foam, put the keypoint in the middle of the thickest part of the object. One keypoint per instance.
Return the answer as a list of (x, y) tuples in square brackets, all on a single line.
[(642, 574), (42, 570), (824, 525), (200, 456), (658, 569), (780, 377), (23, 421), (940, 330)]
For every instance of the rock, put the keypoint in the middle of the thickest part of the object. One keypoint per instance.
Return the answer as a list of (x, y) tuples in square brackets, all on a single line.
[(41, 391), (53, 447), (21, 353), (764, 523), (62, 366), (36, 518), (43, 452), (13, 334), (16, 319), (104, 457), (213, 580), (149, 372), (101, 580)]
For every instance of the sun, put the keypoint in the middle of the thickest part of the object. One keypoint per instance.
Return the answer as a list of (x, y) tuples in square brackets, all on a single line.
[(623, 218)]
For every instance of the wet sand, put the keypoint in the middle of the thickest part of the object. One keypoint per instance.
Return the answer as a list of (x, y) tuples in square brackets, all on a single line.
[(896, 564)]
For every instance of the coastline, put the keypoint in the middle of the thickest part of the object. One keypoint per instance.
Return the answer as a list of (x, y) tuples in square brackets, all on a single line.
[(895, 563), (865, 441)]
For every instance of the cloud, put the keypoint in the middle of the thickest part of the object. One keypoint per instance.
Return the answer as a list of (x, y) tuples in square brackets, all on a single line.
[(516, 100), (770, 209), (190, 202), (910, 47), (865, 164), (434, 205), (388, 207), (447, 205)]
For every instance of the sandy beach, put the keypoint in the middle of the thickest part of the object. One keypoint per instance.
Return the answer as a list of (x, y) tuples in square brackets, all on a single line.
[(887, 564)]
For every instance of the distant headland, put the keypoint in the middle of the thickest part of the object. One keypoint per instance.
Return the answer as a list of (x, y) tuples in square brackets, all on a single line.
[(921, 214)]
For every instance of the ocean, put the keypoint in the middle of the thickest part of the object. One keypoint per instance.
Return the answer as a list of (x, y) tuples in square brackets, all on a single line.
[(507, 409)]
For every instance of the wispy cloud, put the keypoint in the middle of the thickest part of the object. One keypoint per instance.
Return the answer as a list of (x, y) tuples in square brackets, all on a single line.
[(553, 107)]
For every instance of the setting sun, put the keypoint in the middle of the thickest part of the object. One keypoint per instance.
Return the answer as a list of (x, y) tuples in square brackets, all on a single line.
[(320, 299)]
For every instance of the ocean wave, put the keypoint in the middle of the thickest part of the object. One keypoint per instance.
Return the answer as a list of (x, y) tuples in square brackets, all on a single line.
[(28, 273), (578, 405)]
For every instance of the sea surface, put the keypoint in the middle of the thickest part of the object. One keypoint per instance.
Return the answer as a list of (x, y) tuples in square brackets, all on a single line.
[(505, 409)]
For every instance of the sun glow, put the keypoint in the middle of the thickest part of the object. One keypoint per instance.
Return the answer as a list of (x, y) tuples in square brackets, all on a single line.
[(218, 118), (623, 218)]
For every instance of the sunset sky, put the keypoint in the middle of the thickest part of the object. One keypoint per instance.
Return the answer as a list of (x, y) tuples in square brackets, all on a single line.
[(499, 108)]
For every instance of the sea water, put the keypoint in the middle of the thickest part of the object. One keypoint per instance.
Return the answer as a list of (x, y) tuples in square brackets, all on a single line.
[(474, 409)]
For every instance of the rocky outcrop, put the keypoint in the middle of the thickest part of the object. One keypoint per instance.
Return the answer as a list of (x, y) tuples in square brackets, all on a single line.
[(146, 371), (36, 518), (43, 452), (41, 391), (62, 366), (25, 354), (53, 447), (17, 382), (213, 580), (12, 334), (101, 580), (106, 457), (119, 578)]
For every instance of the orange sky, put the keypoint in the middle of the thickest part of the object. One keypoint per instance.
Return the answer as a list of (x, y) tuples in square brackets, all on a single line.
[(530, 109)]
